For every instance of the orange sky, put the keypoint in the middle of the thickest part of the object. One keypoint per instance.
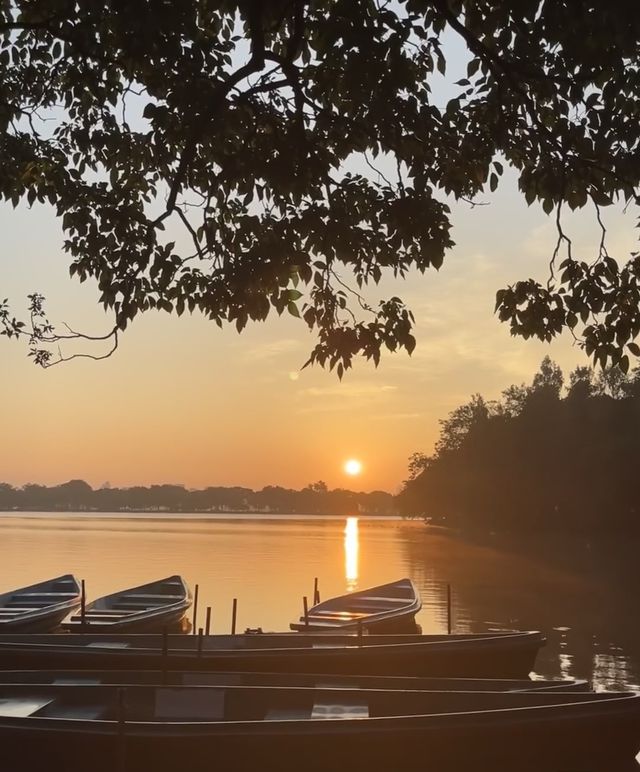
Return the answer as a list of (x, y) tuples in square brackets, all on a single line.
[(183, 402)]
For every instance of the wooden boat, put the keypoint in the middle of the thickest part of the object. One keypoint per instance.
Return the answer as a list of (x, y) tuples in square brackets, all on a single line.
[(287, 680), (148, 608), (152, 729), (491, 655), (388, 608), (40, 607)]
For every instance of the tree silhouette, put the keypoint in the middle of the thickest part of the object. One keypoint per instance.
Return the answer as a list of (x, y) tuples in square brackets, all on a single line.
[(251, 124)]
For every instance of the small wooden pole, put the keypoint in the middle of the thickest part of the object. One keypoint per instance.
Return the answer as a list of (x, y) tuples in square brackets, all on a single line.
[(207, 625), (359, 632), (305, 606), (195, 609), (449, 625), (83, 606), (200, 639), (121, 762), (316, 593), (234, 616)]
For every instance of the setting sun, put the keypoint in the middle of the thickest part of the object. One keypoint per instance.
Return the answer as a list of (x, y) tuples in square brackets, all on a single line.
[(353, 467)]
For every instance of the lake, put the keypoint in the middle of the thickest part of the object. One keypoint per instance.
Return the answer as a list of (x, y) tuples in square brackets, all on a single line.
[(581, 595)]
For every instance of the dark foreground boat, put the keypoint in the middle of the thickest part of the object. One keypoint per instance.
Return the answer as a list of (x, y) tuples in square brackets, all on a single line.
[(148, 608), (491, 655), (40, 607), (287, 680), (140, 729), (388, 608)]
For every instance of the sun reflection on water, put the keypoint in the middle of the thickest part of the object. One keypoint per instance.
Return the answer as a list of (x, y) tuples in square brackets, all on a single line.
[(351, 548)]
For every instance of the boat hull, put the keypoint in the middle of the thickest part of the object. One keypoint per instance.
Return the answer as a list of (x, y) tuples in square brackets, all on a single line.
[(501, 656), (576, 741), (285, 680)]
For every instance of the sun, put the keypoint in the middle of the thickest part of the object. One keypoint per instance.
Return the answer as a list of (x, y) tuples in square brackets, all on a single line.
[(353, 467)]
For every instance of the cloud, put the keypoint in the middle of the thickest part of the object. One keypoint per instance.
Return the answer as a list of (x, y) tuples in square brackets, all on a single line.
[(273, 349), (344, 396)]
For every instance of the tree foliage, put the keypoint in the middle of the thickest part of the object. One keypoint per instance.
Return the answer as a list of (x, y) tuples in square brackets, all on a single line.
[(546, 460), (250, 123)]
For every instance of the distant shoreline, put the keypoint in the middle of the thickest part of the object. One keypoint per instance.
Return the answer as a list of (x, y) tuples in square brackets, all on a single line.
[(175, 515)]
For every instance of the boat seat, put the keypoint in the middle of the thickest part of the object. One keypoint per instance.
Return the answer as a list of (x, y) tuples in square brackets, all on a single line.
[(142, 596), (45, 595), (58, 709), (97, 618), (337, 614), (22, 707)]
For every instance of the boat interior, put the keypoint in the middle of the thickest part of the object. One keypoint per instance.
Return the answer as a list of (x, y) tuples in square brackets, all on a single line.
[(193, 704), (128, 603), (29, 599)]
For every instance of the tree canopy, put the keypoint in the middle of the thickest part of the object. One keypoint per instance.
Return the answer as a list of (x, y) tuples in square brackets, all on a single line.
[(251, 124), (539, 458)]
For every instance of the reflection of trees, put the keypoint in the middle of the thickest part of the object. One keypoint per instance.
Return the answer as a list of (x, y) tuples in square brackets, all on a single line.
[(77, 495), (539, 584)]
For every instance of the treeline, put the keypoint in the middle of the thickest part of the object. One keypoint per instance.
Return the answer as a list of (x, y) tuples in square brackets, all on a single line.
[(546, 455), (79, 496)]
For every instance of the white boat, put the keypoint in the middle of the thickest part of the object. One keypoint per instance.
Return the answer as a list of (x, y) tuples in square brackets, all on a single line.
[(148, 608), (39, 608), (388, 608)]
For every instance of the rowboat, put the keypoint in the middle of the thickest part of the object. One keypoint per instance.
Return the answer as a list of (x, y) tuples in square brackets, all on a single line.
[(40, 607), (491, 655), (148, 608), (287, 680), (144, 729), (388, 608)]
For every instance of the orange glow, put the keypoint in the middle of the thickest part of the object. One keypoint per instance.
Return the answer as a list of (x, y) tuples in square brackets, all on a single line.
[(353, 467)]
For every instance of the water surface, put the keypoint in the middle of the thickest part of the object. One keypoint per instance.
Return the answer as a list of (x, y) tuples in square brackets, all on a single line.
[(583, 600)]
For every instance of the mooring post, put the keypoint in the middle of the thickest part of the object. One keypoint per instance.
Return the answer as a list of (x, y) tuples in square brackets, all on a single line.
[(234, 616), (305, 606), (207, 625), (121, 751), (200, 639), (83, 606), (316, 592), (449, 626), (195, 609)]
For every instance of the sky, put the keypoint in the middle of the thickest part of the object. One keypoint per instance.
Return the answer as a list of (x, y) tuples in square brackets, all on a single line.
[(184, 402)]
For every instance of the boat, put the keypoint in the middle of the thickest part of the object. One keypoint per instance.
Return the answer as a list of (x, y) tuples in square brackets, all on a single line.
[(388, 608), (289, 680), (39, 607), (148, 608), (480, 655), (152, 729)]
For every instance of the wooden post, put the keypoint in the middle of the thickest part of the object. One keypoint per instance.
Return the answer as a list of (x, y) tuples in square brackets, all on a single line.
[(234, 615), (305, 606), (200, 639), (316, 592), (207, 626), (359, 632), (449, 626), (195, 609), (121, 751), (83, 606)]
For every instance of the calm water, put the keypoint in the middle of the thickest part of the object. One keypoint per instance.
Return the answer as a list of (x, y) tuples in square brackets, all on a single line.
[(584, 602)]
